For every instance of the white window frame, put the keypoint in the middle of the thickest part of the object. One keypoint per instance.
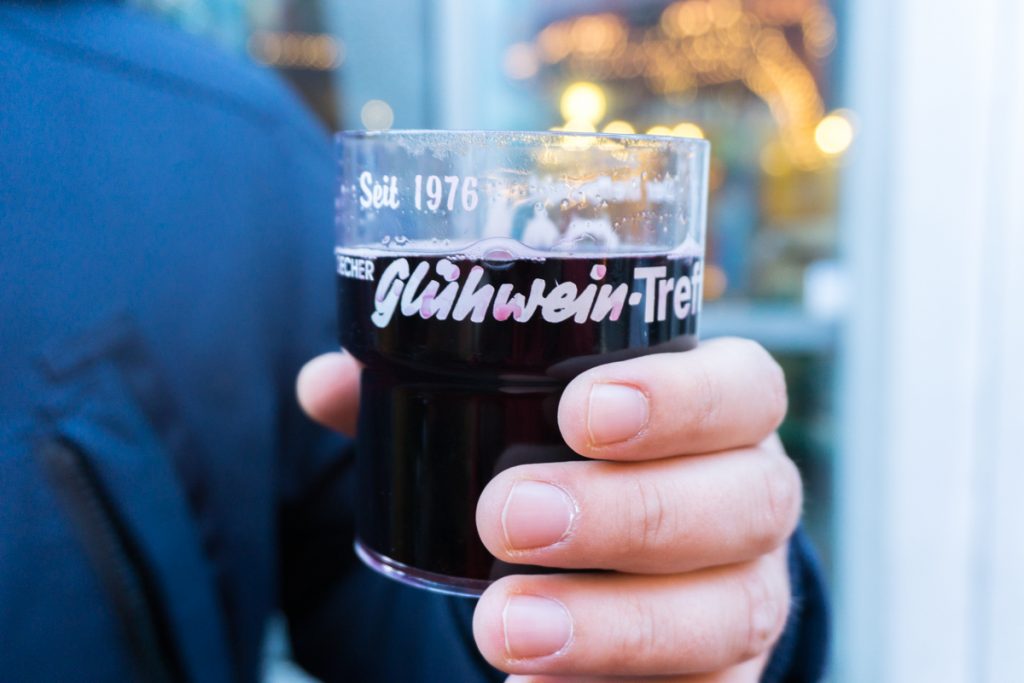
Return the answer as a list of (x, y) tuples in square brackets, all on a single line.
[(930, 523)]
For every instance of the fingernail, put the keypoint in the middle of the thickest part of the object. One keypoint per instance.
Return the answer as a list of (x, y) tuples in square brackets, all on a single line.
[(535, 626), (617, 412), (536, 515)]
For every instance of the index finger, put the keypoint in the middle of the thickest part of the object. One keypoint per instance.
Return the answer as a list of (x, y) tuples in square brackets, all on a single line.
[(726, 393)]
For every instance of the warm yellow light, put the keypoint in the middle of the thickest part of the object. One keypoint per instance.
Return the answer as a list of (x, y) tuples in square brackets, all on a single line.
[(578, 126), (583, 101), (834, 133), (620, 128), (688, 130), (659, 130), (377, 115)]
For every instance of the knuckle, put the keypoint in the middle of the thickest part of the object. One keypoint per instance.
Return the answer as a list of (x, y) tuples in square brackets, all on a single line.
[(765, 609), (648, 518), (707, 402), (644, 639)]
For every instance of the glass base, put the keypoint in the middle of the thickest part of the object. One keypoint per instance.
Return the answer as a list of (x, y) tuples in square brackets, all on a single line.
[(437, 583)]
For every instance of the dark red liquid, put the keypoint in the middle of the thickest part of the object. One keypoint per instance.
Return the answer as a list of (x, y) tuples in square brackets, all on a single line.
[(446, 404)]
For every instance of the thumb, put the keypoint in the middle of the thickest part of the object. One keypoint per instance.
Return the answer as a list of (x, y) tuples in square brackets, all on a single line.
[(328, 390)]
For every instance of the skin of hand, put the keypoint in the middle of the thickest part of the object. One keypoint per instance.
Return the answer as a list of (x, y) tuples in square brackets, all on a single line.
[(686, 498)]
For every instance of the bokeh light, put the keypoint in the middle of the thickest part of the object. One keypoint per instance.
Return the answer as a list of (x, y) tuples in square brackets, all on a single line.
[(578, 126), (700, 43), (619, 127), (521, 61), (584, 101), (291, 50), (686, 129), (659, 130), (715, 282), (834, 134), (377, 115)]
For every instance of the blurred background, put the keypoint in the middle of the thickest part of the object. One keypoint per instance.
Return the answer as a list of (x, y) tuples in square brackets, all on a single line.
[(862, 219)]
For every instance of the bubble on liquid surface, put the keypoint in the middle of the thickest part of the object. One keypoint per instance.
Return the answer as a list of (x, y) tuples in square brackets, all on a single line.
[(501, 252), (498, 257)]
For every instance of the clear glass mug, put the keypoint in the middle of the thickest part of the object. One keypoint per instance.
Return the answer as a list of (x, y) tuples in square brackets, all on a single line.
[(479, 272)]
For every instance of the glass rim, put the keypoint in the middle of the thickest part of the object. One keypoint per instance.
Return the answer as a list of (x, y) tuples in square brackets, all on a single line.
[(525, 137)]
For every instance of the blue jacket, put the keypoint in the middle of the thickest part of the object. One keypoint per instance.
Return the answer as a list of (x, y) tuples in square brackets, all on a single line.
[(165, 269)]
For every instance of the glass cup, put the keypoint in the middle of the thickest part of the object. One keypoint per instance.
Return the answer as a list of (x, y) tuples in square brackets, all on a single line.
[(477, 273)]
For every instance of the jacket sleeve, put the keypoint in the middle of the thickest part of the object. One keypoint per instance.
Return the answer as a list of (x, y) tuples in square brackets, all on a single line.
[(801, 654)]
